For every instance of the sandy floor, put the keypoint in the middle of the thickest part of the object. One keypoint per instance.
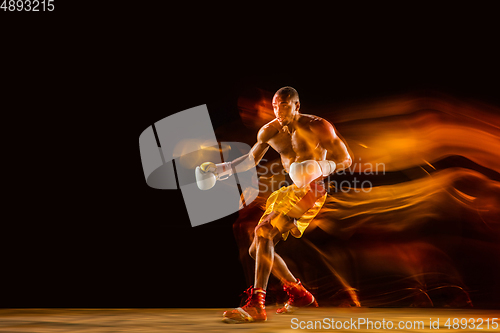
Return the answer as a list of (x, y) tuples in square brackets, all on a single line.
[(209, 320)]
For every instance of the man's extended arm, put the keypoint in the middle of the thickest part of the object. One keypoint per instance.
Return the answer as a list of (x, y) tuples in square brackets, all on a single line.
[(250, 160), (243, 163)]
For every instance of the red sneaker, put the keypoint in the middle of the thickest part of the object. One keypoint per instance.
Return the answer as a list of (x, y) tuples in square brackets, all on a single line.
[(298, 296), (253, 310)]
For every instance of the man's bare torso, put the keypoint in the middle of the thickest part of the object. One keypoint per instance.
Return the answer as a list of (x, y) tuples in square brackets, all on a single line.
[(299, 143)]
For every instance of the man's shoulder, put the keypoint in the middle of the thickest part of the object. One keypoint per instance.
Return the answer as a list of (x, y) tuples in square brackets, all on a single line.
[(313, 121), (267, 131)]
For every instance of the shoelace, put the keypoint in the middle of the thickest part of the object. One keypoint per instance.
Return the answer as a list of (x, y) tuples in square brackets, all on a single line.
[(291, 296), (248, 293)]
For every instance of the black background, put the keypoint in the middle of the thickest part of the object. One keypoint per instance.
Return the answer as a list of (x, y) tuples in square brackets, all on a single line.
[(81, 228)]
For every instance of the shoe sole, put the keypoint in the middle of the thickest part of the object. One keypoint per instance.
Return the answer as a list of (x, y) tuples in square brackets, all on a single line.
[(292, 308), (234, 321)]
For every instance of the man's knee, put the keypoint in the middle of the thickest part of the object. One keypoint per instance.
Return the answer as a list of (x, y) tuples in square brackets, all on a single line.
[(252, 250), (264, 230)]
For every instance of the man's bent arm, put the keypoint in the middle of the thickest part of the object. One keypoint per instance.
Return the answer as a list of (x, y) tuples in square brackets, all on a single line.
[(339, 153), (336, 148)]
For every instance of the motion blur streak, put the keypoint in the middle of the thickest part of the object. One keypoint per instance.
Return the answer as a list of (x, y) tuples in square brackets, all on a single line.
[(426, 233)]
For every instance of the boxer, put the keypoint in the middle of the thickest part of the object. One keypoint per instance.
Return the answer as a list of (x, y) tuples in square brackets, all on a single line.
[(310, 150)]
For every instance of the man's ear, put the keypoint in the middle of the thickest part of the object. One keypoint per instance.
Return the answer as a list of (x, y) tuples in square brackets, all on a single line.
[(297, 105)]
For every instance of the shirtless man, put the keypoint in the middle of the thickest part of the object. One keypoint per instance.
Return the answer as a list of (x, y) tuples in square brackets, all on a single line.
[(310, 151)]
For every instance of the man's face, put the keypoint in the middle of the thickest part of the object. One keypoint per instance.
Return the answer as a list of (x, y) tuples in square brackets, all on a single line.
[(285, 108)]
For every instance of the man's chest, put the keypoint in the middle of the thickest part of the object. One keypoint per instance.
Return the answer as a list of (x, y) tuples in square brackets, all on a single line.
[(297, 143)]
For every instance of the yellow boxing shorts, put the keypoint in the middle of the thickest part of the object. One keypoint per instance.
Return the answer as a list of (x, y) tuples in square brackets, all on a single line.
[(282, 201)]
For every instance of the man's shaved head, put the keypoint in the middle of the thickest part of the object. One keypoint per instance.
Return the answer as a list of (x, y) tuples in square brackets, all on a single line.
[(288, 91), (286, 105)]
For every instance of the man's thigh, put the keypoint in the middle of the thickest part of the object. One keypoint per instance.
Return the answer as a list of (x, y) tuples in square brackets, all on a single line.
[(274, 224)]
